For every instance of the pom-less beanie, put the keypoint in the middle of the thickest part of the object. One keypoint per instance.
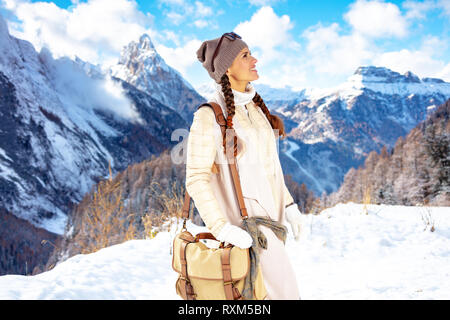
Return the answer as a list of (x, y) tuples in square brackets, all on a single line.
[(230, 46)]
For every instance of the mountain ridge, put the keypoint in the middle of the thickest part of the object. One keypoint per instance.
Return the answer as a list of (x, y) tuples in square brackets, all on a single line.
[(141, 66)]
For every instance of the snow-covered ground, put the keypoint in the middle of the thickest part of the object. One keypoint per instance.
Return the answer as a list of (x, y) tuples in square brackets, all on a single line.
[(390, 253)]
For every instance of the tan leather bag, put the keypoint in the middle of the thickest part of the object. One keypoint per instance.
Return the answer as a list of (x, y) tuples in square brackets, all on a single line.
[(213, 273)]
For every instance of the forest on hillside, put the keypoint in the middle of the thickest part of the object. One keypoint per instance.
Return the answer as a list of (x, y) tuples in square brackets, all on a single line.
[(415, 172)]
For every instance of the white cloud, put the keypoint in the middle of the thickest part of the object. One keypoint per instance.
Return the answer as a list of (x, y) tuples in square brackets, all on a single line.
[(330, 52), (444, 73), (180, 58), (269, 33), (444, 5), (175, 18), (408, 60), (270, 40), (418, 10), (289, 73), (172, 36), (424, 61), (201, 23), (376, 19), (77, 89), (95, 30), (201, 10), (183, 10), (201, 13)]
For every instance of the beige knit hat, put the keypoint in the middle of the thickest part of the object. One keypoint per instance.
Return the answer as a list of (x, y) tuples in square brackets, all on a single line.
[(217, 55)]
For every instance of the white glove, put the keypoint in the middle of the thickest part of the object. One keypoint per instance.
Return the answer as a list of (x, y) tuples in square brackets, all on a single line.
[(294, 217), (235, 235)]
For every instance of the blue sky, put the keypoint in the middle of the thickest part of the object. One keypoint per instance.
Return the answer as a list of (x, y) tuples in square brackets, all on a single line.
[(297, 43)]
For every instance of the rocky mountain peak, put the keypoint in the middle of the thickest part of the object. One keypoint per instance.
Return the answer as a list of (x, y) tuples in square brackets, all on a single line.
[(384, 75), (137, 60), (141, 66), (373, 71), (145, 43), (386, 81), (411, 77), (141, 56)]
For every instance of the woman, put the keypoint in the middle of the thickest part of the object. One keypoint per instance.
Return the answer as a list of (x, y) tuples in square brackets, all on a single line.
[(208, 181)]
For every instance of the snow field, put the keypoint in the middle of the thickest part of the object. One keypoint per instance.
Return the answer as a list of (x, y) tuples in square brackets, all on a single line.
[(343, 254)]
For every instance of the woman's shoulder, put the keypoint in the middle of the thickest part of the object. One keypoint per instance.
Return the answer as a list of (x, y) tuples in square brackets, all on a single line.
[(204, 119), (204, 113)]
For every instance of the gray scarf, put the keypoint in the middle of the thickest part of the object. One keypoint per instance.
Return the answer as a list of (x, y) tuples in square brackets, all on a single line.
[(259, 242)]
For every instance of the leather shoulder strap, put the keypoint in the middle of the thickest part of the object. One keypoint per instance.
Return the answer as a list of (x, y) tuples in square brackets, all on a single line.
[(220, 118)]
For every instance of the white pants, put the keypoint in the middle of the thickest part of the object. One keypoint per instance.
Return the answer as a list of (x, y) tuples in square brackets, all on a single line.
[(279, 276)]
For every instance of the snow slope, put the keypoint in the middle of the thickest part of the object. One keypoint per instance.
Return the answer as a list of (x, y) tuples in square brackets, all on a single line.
[(343, 254)]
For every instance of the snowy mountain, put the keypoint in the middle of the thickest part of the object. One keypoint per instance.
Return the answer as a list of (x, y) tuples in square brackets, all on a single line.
[(141, 66), (332, 130), (60, 128), (206, 89), (61, 122), (93, 71), (346, 252), (385, 81)]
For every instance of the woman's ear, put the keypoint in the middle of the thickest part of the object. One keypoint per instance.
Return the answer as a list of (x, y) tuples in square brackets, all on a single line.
[(230, 75)]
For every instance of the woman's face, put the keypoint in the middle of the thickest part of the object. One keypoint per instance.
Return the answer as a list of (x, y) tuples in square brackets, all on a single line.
[(243, 67)]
